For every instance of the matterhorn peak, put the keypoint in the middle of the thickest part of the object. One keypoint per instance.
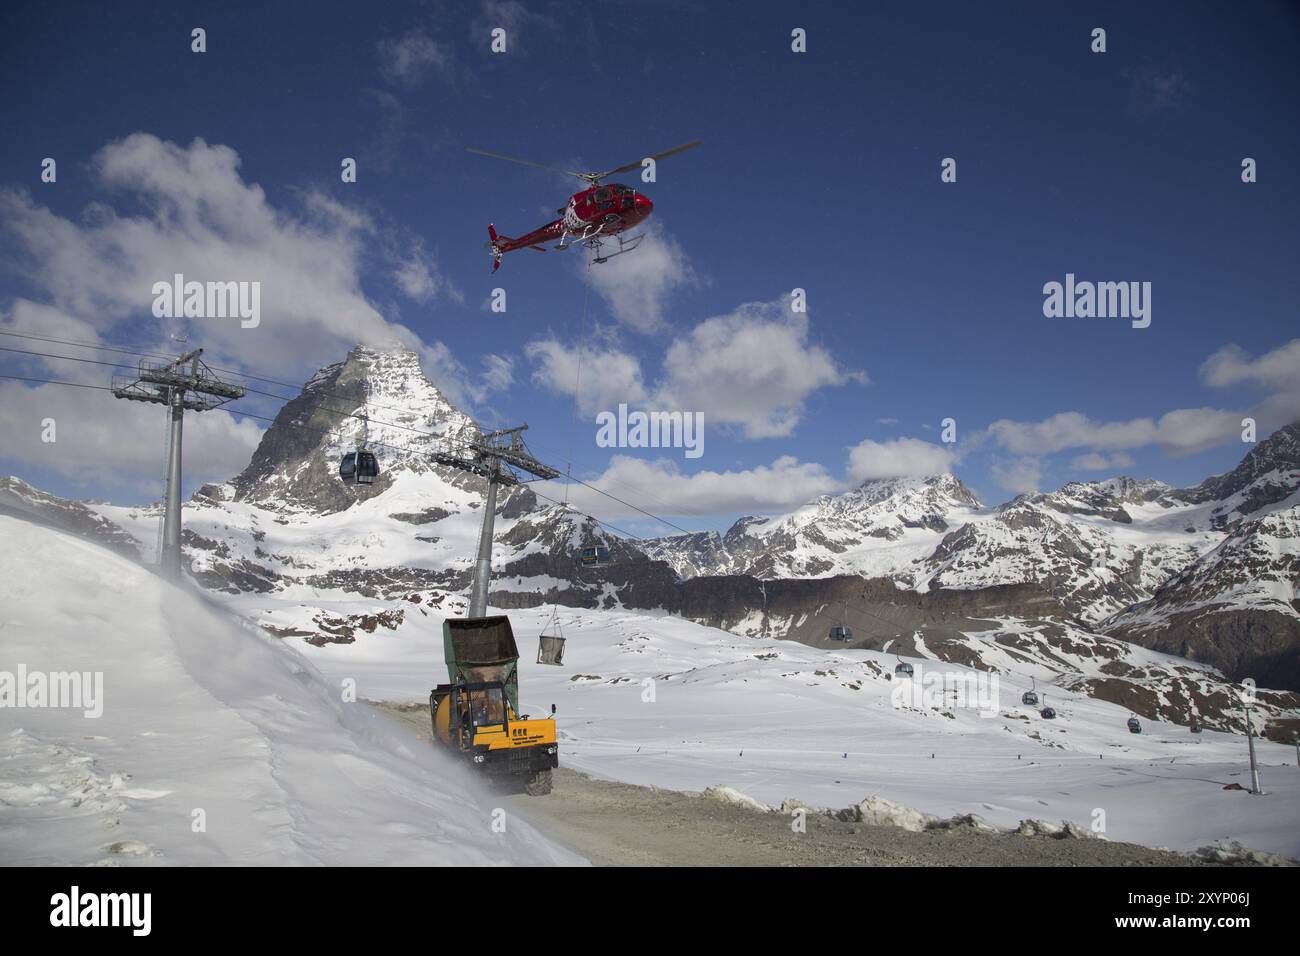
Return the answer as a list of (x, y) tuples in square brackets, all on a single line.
[(376, 396)]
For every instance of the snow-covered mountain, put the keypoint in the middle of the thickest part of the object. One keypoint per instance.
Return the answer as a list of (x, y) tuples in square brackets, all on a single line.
[(1236, 606), (381, 395), (1137, 552), (1208, 572), (879, 529), (287, 525), (1096, 546)]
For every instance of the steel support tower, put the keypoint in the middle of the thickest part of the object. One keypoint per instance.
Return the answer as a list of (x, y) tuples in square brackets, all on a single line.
[(185, 383), (494, 456)]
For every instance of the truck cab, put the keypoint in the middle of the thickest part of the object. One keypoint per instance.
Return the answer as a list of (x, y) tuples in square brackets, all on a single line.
[(477, 720)]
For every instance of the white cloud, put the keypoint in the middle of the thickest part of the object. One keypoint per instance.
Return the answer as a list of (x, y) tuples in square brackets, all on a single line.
[(498, 373), (608, 376), (103, 440), (409, 59), (898, 458), (659, 486), (1071, 430), (753, 368), (191, 212), (416, 272), (1096, 461), (1232, 365), (636, 286), (1020, 476), (198, 217), (1181, 431)]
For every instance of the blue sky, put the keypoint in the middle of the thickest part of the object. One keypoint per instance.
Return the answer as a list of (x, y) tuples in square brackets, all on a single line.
[(819, 170)]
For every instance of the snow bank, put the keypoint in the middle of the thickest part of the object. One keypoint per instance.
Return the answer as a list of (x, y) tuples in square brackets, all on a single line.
[(880, 812), (216, 745), (735, 798)]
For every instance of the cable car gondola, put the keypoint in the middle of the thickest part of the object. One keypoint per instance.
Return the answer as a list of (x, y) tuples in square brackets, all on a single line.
[(590, 557), (841, 631), (1030, 697), (1047, 713), (1134, 727), (903, 669), (1196, 727), (359, 468)]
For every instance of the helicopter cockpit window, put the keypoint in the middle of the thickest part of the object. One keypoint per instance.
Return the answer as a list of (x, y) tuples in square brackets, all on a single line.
[(602, 194)]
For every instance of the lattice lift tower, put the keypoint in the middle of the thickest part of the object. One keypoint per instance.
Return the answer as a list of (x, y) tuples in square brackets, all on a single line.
[(493, 456), (184, 383)]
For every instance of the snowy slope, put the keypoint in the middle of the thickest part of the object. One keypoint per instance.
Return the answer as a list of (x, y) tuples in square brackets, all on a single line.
[(201, 713), (776, 719)]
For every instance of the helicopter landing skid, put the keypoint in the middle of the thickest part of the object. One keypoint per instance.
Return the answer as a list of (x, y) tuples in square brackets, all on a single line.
[(624, 245)]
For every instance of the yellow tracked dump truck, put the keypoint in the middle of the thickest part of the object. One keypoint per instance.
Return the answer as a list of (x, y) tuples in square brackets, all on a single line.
[(477, 713)]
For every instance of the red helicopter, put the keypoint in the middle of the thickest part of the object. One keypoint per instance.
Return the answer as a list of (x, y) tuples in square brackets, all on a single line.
[(597, 213)]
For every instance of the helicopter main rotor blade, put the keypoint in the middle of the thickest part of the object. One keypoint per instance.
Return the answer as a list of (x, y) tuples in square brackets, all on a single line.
[(524, 162), (656, 157)]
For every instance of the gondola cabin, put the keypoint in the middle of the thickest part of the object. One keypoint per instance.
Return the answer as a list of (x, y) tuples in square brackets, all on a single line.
[(590, 557), (1196, 728), (841, 633), (1134, 727), (359, 468), (1047, 713), (903, 669), (1029, 699)]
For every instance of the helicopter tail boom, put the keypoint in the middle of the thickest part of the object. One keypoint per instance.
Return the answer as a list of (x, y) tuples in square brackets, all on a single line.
[(498, 246)]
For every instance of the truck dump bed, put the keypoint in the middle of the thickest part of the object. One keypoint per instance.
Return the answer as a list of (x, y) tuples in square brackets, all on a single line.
[(482, 650)]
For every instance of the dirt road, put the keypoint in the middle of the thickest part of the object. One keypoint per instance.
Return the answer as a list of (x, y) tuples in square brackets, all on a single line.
[(618, 824)]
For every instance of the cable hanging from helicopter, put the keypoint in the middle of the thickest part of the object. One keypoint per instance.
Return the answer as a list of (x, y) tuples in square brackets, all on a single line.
[(599, 212)]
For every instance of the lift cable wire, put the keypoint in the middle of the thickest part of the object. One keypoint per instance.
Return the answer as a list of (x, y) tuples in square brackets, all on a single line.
[(244, 414), (87, 345), (50, 381), (418, 431), (451, 443), (400, 448), (228, 371)]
